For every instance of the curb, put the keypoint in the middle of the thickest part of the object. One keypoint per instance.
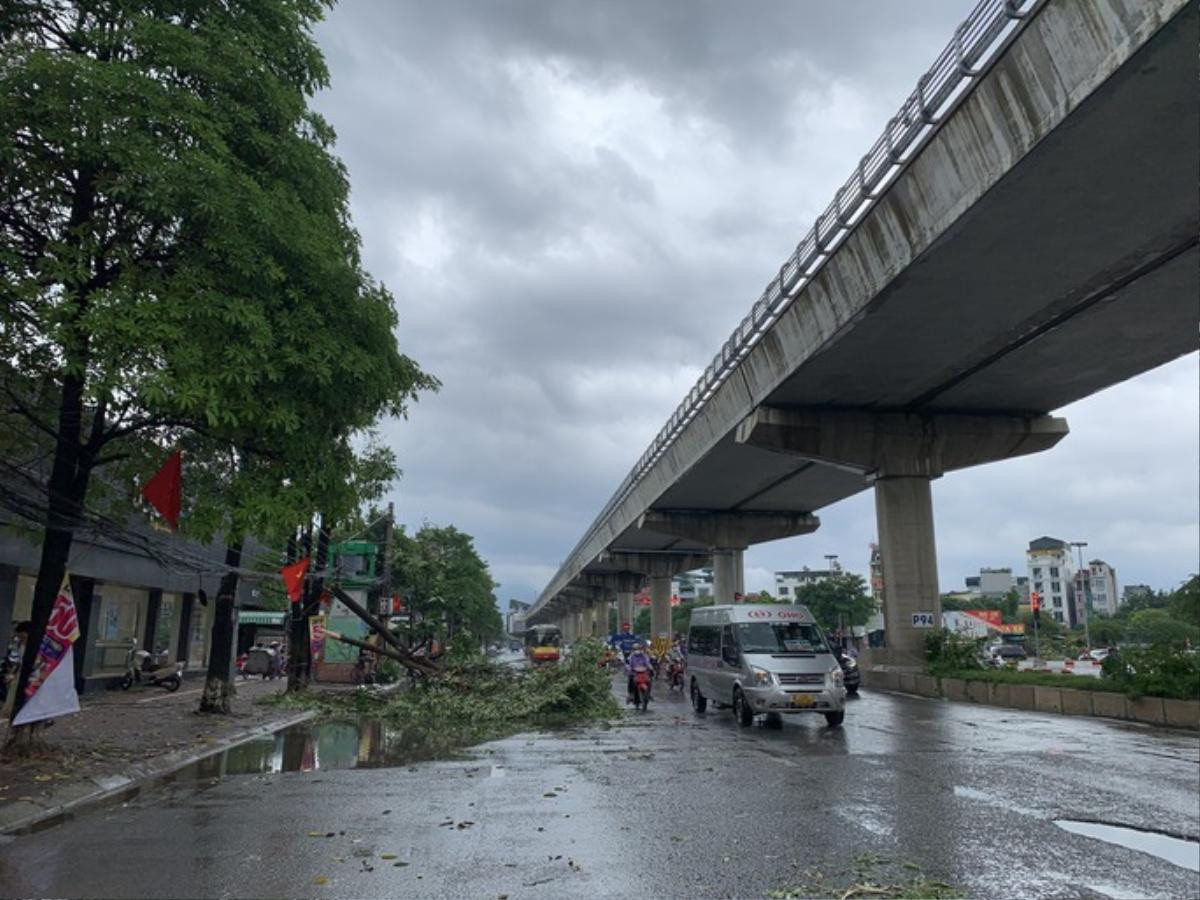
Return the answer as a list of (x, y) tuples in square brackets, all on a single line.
[(108, 786), (1181, 715)]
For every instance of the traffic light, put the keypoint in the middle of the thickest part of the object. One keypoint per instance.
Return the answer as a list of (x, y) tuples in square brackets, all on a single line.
[(1035, 604)]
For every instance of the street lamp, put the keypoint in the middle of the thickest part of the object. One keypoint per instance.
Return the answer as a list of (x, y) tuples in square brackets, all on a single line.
[(830, 564), (1082, 576)]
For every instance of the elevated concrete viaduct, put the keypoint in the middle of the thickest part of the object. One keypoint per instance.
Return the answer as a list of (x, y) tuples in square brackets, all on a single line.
[(1024, 234)]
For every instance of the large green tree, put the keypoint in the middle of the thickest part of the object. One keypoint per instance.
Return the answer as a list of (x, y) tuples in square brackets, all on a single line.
[(176, 254), (447, 585), (840, 601)]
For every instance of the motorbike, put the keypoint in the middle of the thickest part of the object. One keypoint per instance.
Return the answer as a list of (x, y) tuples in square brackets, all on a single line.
[(641, 687), (141, 667), (675, 675)]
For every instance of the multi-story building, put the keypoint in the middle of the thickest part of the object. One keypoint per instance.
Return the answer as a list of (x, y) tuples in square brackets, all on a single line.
[(1135, 590), (992, 583), (875, 624), (1052, 575), (1096, 586), (788, 583), (689, 586), (515, 624)]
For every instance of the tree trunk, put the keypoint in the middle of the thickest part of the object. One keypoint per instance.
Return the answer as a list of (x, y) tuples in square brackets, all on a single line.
[(218, 687), (65, 492), (299, 649)]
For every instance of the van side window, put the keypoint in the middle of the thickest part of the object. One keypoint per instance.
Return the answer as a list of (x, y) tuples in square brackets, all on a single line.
[(704, 640), (729, 646)]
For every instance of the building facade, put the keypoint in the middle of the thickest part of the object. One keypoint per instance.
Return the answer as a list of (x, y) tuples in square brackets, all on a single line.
[(121, 598), (514, 619), (1052, 575), (993, 584), (1132, 591), (1096, 585), (787, 584), (690, 586)]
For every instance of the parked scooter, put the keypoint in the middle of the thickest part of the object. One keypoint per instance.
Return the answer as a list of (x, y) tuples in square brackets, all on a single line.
[(140, 668)]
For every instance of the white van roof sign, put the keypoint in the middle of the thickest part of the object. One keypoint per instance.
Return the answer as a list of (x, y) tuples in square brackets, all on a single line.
[(758, 612)]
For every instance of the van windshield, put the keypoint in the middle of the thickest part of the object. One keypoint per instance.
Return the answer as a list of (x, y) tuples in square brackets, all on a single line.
[(781, 637)]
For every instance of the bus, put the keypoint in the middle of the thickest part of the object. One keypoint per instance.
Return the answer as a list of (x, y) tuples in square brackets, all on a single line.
[(543, 644)]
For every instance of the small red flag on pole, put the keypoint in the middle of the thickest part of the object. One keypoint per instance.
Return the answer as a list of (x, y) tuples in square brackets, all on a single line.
[(293, 578), (165, 490)]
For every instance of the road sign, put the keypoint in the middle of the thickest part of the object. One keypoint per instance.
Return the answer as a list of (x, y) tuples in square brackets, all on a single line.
[(923, 620)]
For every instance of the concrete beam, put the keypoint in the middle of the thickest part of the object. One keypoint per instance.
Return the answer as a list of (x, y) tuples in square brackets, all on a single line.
[(898, 443), (728, 530), (656, 565)]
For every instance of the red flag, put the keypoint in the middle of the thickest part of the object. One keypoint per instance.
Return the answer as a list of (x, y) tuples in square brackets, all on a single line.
[(293, 578), (165, 490)]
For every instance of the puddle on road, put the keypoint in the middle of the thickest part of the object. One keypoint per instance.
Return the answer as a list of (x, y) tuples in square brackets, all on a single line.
[(1177, 851), (316, 746)]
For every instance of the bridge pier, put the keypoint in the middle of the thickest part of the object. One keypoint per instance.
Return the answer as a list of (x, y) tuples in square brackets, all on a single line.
[(729, 575), (900, 454), (660, 606), (727, 535), (659, 568)]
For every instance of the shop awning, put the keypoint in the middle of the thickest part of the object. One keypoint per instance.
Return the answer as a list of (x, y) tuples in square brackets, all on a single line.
[(261, 617)]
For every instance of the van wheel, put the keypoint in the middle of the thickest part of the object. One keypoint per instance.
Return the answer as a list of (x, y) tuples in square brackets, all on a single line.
[(699, 701), (741, 709), (774, 720), (835, 718)]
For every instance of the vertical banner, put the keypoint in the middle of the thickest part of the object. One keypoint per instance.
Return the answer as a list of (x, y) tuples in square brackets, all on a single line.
[(51, 688), (316, 636)]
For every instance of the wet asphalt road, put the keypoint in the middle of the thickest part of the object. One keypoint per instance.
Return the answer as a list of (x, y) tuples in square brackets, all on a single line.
[(666, 804)]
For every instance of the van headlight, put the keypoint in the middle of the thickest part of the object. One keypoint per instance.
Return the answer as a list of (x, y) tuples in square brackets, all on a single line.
[(835, 676), (762, 678)]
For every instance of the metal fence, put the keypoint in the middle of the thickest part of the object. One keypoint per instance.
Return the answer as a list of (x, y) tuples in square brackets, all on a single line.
[(990, 26)]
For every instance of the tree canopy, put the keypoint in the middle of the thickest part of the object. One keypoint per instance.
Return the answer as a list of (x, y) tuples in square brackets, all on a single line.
[(447, 585), (841, 600), (178, 265)]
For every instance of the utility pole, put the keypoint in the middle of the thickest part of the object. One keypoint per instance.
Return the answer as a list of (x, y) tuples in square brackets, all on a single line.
[(831, 563), (387, 557), (1082, 576)]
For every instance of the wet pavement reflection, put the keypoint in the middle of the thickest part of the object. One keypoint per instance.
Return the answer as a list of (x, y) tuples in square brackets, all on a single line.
[(661, 803), (309, 747)]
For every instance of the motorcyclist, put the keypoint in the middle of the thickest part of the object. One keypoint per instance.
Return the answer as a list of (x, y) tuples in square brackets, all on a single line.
[(624, 640), (638, 659)]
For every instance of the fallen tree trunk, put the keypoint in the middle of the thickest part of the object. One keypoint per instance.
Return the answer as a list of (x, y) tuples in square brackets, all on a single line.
[(375, 625), (405, 659)]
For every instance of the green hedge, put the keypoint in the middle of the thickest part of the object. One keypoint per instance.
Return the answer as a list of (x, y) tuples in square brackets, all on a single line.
[(1152, 675)]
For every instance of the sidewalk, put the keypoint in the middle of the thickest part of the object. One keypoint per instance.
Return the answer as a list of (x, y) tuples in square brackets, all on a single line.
[(121, 738)]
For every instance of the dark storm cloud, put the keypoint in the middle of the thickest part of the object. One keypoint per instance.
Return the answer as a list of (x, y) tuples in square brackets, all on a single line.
[(574, 203)]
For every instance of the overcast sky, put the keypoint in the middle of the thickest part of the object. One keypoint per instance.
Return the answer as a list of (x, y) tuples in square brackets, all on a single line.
[(575, 203)]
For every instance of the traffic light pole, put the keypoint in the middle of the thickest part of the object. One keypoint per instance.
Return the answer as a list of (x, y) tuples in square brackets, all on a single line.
[(1035, 604)]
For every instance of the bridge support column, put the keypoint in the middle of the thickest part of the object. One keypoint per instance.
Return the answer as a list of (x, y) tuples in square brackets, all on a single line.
[(904, 517), (729, 576), (901, 453), (624, 608), (660, 605), (660, 568)]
